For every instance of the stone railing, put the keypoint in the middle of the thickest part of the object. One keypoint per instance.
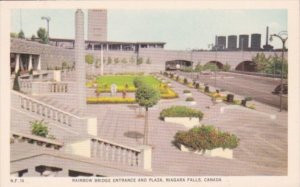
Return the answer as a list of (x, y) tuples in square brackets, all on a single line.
[(108, 151), (58, 87), (25, 103), (25, 85), (121, 154), (36, 140)]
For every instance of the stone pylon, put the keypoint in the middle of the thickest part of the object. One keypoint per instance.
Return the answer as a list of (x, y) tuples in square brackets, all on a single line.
[(80, 62)]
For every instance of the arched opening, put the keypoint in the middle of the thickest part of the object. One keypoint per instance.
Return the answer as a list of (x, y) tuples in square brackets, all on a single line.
[(219, 64), (246, 66), (171, 65)]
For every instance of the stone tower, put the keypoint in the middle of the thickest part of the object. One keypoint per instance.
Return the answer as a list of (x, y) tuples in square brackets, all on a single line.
[(80, 62)]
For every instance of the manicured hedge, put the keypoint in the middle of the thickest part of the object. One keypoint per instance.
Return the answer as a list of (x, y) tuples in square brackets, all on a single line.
[(180, 111), (189, 99), (206, 138), (109, 100)]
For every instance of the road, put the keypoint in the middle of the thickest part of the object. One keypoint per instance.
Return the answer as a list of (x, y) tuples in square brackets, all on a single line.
[(259, 88)]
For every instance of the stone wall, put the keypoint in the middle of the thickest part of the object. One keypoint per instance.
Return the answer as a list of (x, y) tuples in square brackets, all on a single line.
[(52, 56)]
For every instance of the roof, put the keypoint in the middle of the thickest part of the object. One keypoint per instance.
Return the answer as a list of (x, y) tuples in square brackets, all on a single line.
[(106, 42)]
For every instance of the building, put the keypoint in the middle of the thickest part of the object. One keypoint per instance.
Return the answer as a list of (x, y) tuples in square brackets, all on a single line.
[(97, 25), (232, 42), (243, 42), (221, 42), (255, 42), (267, 46)]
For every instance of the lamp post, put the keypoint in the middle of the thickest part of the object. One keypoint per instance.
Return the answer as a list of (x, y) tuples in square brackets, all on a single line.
[(47, 18), (283, 37)]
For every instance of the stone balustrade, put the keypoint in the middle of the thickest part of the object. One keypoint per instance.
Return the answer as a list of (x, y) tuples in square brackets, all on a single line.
[(36, 140), (113, 152), (58, 87), (25, 85), (31, 105)]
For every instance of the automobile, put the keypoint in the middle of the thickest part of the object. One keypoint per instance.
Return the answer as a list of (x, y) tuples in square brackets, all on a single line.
[(277, 90)]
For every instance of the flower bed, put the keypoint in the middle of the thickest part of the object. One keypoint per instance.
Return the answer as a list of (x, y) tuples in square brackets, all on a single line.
[(109, 100), (204, 138), (180, 111)]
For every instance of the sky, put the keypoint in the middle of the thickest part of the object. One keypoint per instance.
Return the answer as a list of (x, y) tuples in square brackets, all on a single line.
[(180, 29)]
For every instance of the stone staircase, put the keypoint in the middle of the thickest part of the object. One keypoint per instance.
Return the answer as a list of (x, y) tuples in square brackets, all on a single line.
[(54, 102)]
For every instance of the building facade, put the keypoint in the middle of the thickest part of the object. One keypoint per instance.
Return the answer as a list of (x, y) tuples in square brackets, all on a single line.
[(97, 25)]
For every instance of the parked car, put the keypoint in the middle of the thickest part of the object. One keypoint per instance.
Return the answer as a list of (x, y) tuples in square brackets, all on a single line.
[(277, 90)]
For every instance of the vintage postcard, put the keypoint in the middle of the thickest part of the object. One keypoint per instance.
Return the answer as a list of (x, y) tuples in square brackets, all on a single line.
[(150, 93)]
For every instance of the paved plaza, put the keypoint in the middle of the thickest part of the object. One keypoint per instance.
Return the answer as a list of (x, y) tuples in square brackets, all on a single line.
[(263, 139)]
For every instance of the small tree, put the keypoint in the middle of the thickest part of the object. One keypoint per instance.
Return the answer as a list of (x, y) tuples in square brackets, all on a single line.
[(146, 96), (116, 60), (148, 61), (42, 34), (89, 59), (16, 85), (39, 128), (21, 34), (131, 60), (139, 61), (124, 61), (226, 67), (13, 35), (33, 37), (109, 60), (198, 67)]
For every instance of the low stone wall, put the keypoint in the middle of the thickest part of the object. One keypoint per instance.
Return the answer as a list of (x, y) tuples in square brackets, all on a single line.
[(186, 121), (217, 152)]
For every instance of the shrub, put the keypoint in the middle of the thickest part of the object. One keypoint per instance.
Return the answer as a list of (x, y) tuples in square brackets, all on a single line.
[(180, 111), (185, 81), (206, 138), (16, 85), (248, 99), (189, 99), (197, 85), (109, 100), (39, 128), (186, 91), (138, 81), (89, 59)]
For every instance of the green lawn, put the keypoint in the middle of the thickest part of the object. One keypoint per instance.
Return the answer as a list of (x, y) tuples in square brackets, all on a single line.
[(122, 80)]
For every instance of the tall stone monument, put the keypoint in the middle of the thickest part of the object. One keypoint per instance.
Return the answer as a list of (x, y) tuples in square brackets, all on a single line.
[(80, 62)]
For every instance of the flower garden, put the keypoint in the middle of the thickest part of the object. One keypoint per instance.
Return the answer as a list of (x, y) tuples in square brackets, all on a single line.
[(125, 84)]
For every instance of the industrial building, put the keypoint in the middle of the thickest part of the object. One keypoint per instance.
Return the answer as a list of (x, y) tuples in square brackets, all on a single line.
[(255, 41), (243, 42), (232, 42)]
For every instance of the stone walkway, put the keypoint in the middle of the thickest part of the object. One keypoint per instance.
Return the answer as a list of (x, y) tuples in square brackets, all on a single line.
[(263, 139)]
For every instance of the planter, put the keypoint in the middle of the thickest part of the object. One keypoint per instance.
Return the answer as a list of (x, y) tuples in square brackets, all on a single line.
[(187, 94), (217, 152), (186, 121), (219, 100), (191, 102)]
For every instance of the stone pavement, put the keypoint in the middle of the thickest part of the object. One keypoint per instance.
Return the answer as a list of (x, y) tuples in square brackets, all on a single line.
[(262, 133)]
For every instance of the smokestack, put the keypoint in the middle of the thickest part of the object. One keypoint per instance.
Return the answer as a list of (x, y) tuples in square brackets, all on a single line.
[(267, 35)]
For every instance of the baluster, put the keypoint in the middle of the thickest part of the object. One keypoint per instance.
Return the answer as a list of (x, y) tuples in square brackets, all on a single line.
[(33, 106), (22, 102), (112, 153), (117, 154), (49, 113), (125, 157), (128, 158), (106, 151), (100, 149), (66, 88), (38, 108), (46, 111)]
